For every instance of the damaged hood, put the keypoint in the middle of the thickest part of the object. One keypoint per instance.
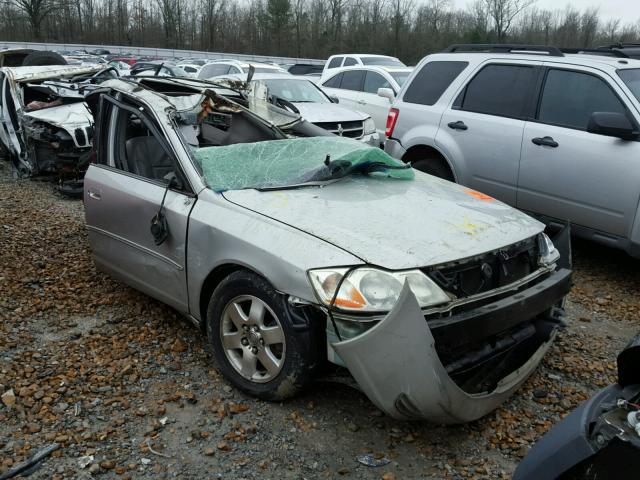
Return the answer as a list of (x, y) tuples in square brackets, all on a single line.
[(327, 112), (396, 224), (68, 116)]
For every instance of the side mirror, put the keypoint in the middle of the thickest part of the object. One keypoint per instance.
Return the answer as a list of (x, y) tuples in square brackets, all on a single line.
[(334, 99), (388, 93), (172, 181), (611, 124)]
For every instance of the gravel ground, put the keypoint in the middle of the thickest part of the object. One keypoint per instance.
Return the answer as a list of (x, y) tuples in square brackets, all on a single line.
[(127, 388)]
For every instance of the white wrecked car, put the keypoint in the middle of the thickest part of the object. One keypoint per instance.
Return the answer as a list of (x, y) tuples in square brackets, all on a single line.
[(289, 252), (45, 125)]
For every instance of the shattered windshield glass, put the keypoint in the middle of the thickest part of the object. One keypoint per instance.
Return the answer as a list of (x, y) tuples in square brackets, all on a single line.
[(288, 163)]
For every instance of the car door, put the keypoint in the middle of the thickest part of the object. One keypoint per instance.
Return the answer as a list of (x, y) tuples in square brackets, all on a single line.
[(8, 118), (124, 190), (568, 173), (350, 88), (481, 131), (371, 103)]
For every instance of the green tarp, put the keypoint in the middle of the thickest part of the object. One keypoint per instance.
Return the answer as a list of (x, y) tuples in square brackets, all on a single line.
[(278, 163)]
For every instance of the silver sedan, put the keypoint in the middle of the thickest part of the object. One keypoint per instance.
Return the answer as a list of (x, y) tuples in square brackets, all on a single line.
[(291, 247)]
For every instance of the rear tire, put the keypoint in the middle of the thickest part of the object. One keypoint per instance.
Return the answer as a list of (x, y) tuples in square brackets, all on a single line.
[(434, 166), (43, 57), (261, 354)]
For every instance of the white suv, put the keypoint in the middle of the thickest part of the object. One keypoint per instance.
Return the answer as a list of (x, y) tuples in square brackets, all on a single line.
[(356, 59), (217, 68), (552, 133), (370, 89)]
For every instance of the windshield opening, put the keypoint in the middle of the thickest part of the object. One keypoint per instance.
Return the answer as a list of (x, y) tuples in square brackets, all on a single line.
[(400, 77), (631, 78), (295, 91), (288, 163), (383, 61)]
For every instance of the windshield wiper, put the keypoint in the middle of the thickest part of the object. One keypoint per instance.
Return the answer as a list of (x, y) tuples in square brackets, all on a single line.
[(334, 169)]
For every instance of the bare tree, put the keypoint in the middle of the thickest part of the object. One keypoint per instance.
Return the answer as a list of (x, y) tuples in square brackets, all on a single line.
[(503, 12), (409, 29), (36, 11)]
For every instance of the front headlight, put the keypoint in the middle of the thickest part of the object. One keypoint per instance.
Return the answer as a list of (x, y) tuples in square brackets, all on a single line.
[(369, 126), (373, 290), (549, 254)]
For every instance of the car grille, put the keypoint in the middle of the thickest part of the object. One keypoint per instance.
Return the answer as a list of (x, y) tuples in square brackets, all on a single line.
[(344, 129), (487, 272)]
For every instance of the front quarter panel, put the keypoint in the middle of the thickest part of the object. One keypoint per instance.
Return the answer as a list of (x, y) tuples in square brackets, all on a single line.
[(222, 233)]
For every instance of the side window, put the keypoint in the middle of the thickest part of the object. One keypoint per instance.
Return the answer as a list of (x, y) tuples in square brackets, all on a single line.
[(431, 82), (233, 69), (502, 90), (333, 82), (349, 61), (373, 81), (135, 147), (335, 62), (213, 70), (352, 80), (569, 98)]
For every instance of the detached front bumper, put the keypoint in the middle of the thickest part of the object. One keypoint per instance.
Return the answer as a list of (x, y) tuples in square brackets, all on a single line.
[(397, 364)]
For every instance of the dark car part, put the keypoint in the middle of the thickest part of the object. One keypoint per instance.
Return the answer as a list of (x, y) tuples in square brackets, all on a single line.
[(72, 188), (44, 57), (598, 439)]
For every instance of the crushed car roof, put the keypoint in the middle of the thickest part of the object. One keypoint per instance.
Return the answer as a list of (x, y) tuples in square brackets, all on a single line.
[(28, 74)]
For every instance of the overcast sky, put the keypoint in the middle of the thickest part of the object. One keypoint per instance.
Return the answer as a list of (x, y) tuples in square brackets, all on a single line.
[(626, 10)]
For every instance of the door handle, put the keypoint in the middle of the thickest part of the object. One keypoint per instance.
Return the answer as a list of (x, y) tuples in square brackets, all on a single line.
[(459, 125), (362, 102), (545, 141), (95, 195)]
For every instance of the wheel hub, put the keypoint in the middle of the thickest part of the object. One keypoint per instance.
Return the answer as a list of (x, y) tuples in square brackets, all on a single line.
[(253, 338)]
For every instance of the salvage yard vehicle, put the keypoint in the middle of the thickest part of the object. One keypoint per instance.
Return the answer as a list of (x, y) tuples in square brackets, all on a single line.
[(357, 59), (553, 133), (45, 126), (370, 89), (598, 438), (289, 249), (303, 97), (217, 68)]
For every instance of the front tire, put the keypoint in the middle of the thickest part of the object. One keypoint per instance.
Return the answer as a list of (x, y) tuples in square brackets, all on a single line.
[(254, 343)]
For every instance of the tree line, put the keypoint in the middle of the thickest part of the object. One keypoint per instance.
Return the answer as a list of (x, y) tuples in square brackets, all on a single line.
[(408, 29)]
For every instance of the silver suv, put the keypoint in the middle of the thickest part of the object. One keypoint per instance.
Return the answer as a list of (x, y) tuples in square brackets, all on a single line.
[(555, 134)]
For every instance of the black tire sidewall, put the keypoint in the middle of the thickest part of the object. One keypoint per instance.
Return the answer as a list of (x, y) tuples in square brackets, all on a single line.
[(433, 166), (41, 58), (295, 372)]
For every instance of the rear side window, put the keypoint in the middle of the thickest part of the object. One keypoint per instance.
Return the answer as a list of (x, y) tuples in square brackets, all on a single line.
[(569, 98), (502, 90), (350, 61), (213, 70), (431, 81), (333, 82), (352, 80), (335, 62), (373, 81)]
